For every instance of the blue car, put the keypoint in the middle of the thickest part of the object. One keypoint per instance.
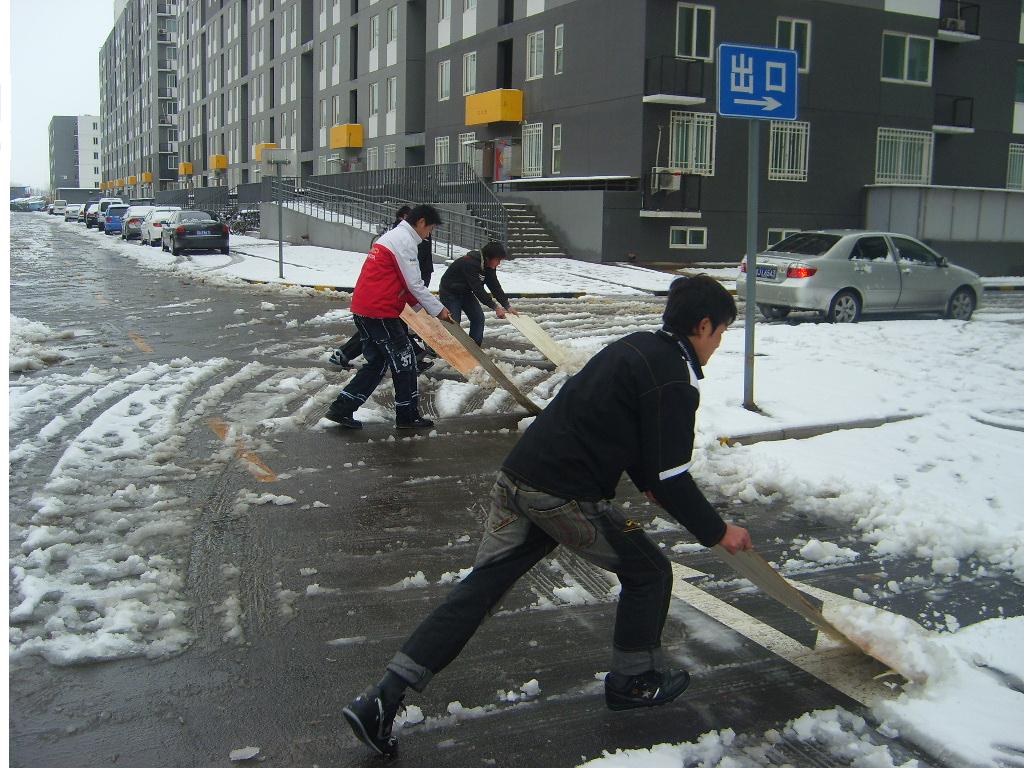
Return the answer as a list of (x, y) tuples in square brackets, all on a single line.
[(112, 219)]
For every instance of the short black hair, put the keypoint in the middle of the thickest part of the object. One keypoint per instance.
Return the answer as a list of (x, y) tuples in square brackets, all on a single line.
[(402, 212), (494, 250), (426, 212), (691, 299)]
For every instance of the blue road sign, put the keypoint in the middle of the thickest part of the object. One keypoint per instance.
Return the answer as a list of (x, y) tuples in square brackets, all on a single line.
[(756, 82)]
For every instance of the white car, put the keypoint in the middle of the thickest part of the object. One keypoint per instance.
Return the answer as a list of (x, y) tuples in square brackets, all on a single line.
[(71, 211), (152, 225), (59, 208), (131, 222)]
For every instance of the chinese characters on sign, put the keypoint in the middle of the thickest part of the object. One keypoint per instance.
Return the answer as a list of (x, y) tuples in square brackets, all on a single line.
[(758, 83)]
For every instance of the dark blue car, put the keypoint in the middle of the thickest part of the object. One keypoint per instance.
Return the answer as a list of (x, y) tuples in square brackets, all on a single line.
[(112, 219)]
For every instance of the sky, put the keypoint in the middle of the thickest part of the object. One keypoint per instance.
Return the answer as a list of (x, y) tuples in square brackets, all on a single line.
[(54, 70), (940, 487)]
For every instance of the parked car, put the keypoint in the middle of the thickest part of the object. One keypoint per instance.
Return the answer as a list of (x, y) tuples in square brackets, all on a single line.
[(113, 219), (59, 207), (84, 211), (105, 202), (153, 224), (92, 210), (131, 226), (71, 211), (194, 230), (845, 273)]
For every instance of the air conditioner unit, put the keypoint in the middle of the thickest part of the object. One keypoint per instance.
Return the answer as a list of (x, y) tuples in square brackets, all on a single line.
[(954, 24), (665, 179)]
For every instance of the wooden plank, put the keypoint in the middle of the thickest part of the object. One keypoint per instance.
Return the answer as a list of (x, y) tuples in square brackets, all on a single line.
[(758, 571), (488, 365), (540, 338), (433, 332)]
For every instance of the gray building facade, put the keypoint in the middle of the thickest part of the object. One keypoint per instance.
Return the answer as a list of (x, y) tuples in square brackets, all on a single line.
[(75, 151), (138, 68)]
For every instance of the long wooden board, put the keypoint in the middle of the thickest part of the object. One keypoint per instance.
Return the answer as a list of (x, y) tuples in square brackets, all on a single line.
[(432, 331), (540, 338), (488, 365), (759, 572)]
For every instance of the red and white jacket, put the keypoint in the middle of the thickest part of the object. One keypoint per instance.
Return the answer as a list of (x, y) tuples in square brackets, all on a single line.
[(390, 277)]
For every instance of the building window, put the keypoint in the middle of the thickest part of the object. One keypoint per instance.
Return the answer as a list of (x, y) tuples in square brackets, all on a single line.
[(440, 150), (556, 149), (795, 34), (778, 234), (535, 55), (466, 141), (787, 151), (444, 80), (695, 31), (374, 32), (371, 159), (444, 9), (469, 5), (559, 64), (906, 58), (392, 17), (1015, 167), (692, 142), (389, 156), (336, 109), (392, 94), (469, 73), (688, 237), (533, 149), (903, 157), (374, 99), (323, 113)]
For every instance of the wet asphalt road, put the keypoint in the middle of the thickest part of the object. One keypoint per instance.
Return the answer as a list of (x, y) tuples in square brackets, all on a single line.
[(395, 508)]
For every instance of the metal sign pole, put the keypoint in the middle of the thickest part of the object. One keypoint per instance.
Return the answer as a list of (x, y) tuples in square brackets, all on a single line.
[(753, 156)]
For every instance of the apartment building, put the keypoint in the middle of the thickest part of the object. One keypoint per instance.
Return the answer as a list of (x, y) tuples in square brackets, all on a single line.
[(138, 68), (75, 151), (601, 112)]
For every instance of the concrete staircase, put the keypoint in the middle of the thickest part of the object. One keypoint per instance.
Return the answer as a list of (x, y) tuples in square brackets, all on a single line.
[(528, 235)]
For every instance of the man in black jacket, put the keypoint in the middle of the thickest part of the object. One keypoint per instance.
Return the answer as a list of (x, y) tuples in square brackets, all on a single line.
[(631, 409), (462, 288)]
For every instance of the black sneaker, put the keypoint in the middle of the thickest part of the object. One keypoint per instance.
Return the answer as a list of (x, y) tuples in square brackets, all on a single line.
[(424, 364), (339, 359), (371, 720), (651, 689), (344, 419), (417, 423)]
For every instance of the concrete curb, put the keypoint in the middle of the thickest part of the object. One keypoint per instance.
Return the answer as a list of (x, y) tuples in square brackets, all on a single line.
[(802, 433)]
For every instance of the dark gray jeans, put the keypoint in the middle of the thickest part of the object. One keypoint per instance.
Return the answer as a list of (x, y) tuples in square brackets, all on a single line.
[(523, 526)]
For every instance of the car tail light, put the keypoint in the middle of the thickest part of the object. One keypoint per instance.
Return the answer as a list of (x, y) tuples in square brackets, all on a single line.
[(179, 231), (225, 228), (743, 267), (109, 219), (800, 270), (157, 224)]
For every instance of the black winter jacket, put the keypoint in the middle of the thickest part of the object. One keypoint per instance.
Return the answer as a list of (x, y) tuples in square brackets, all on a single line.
[(468, 275)]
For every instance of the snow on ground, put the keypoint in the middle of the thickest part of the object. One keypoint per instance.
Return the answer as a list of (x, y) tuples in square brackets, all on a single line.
[(939, 486), (31, 345)]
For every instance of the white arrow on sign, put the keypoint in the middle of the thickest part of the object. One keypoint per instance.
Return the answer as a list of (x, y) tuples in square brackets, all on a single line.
[(767, 103)]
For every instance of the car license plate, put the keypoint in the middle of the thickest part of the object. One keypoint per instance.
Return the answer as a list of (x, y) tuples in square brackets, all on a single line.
[(767, 271), (202, 232)]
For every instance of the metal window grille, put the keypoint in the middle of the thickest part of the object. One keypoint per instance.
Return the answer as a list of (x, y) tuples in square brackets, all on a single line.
[(692, 142), (903, 157), (1015, 167), (533, 149), (441, 150), (465, 147), (788, 151), (390, 156), (371, 159)]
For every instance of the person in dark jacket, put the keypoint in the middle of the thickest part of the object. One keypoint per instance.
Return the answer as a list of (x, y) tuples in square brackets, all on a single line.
[(631, 409), (462, 288)]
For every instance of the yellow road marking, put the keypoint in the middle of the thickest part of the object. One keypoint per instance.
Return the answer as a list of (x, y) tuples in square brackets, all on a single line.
[(254, 463), (139, 342)]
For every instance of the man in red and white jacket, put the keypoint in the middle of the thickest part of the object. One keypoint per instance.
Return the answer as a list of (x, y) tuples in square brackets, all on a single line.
[(390, 279)]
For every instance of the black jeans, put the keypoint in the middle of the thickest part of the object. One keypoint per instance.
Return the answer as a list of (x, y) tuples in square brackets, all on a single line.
[(353, 348), (523, 526), (471, 305), (386, 344)]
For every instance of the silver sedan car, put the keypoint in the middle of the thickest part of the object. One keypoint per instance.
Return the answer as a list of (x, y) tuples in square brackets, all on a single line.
[(843, 273)]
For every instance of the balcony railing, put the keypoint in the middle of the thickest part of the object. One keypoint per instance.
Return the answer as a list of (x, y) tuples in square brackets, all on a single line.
[(166, 9), (167, 93), (671, 80), (954, 112), (669, 199), (167, 118), (168, 64), (167, 146), (163, 35)]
